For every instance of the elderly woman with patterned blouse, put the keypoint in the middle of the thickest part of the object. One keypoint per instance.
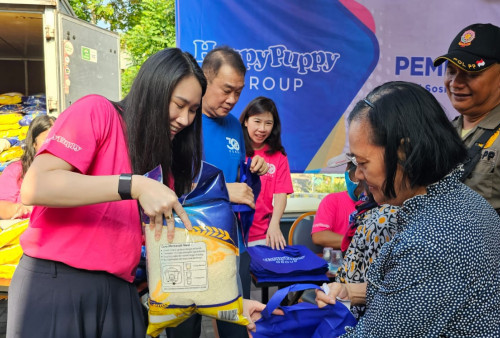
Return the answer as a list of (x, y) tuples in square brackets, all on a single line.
[(439, 275), (372, 226)]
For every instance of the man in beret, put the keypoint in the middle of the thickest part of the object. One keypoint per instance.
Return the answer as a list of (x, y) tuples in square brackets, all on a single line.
[(472, 83)]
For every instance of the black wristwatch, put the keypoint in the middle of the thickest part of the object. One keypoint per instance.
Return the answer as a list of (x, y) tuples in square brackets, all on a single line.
[(125, 186)]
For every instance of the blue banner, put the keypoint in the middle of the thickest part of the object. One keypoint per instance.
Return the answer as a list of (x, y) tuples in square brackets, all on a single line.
[(310, 57)]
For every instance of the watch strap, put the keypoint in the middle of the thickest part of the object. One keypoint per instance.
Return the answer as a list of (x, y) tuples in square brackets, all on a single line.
[(125, 186)]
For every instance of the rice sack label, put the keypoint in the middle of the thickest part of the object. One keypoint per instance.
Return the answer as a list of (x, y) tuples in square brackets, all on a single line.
[(198, 271)]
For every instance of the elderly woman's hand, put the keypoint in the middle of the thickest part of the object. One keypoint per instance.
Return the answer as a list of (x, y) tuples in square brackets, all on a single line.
[(335, 290), (355, 292)]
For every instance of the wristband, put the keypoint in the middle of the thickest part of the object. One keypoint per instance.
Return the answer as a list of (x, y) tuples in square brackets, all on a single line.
[(125, 186)]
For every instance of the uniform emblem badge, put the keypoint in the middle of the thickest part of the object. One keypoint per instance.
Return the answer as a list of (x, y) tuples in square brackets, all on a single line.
[(467, 38)]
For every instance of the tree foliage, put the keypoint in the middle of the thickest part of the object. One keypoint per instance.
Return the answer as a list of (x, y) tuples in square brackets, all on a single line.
[(154, 32), (117, 15), (145, 27)]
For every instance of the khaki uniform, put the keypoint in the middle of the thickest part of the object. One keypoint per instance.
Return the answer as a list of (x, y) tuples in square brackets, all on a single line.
[(485, 178)]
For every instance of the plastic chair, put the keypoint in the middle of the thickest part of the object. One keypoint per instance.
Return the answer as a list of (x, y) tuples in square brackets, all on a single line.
[(300, 232)]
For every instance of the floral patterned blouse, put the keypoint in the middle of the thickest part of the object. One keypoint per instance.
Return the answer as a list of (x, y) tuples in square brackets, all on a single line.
[(375, 227), (439, 276)]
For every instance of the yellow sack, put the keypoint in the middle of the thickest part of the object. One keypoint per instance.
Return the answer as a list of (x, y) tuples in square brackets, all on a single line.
[(14, 231), (210, 290), (198, 271), (10, 98), (11, 126), (9, 119), (14, 241), (21, 132), (11, 153), (11, 254), (7, 270)]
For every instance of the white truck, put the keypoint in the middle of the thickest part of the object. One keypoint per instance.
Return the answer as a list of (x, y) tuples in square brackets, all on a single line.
[(45, 49)]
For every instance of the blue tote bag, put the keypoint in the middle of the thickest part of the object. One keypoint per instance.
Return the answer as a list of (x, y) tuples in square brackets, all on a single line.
[(302, 320), (243, 212), (294, 263)]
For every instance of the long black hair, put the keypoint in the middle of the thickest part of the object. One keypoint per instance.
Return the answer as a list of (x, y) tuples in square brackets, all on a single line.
[(145, 111), (37, 126), (258, 106), (406, 119)]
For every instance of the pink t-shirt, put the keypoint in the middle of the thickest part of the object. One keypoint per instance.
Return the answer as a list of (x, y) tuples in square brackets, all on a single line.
[(333, 213), (100, 237), (10, 183), (276, 181)]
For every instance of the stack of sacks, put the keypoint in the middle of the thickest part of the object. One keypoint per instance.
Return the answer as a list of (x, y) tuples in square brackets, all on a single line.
[(10, 249), (16, 113), (10, 151), (11, 112), (295, 263), (33, 106)]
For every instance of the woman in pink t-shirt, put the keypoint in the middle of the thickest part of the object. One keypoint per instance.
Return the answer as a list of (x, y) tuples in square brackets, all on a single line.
[(84, 240), (262, 132), (12, 177)]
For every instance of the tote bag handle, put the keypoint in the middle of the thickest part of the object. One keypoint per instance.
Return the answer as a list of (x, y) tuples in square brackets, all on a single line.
[(279, 295)]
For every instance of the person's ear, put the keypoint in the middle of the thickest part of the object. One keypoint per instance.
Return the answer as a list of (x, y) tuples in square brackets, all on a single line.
[(404, 145)]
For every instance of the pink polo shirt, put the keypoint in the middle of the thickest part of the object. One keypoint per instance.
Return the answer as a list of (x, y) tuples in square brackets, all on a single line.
[(10, 183), (333, 213), (104, 236), (276, 181)]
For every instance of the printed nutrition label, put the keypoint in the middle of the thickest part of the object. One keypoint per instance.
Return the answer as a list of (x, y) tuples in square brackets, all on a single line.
[(184, 267)]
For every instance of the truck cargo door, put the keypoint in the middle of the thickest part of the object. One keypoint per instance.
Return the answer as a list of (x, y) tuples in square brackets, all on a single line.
[(89, 61)]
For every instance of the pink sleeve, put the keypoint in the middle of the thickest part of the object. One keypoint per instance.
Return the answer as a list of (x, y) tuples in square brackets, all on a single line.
[(283, 179), (10, 183), (324, 218), (77, 132)]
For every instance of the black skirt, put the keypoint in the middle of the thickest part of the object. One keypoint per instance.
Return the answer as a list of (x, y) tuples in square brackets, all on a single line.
[(52, 299)]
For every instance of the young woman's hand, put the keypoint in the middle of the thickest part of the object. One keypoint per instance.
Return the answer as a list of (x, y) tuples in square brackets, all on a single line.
[(22, 211), (258, 165), (158, 201), (275, 238), (252, 310)]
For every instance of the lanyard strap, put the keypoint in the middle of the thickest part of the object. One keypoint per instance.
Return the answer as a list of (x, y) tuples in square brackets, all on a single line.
[(474, 152)]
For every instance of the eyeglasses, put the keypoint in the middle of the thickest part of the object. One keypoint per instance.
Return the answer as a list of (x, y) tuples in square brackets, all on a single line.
[(352, 158)]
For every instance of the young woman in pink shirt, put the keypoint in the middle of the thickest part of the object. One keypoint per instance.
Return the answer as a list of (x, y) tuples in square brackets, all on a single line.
[(84, 240), (262, 132), (12, 177)]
